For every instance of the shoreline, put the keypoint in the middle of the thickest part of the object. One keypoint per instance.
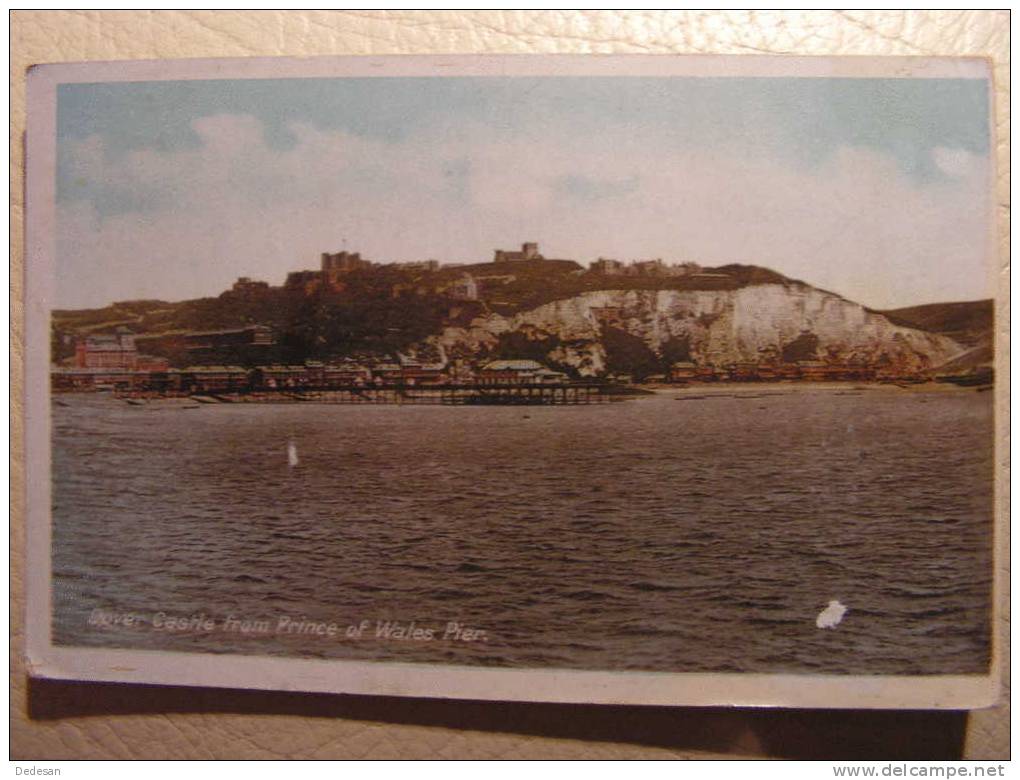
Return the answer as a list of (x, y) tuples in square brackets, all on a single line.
[(777, 388), (691, 391)]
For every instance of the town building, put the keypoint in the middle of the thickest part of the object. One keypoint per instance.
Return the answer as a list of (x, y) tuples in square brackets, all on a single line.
[(117, 350), (387, 373), (529, 251), (346, 374), (315, 373), (279, 376), (214, 379), (518, 372), (706, 373), (461, 371), (787, 371), (334, 267), (74, 378), (208, 347), (337, 265), (422, 374), (683, 371), (654, 268), (744, 371), (250, 335), (246, 287), (812, 370), (464, 289), (607, 266), (107, 350), (426, 266)]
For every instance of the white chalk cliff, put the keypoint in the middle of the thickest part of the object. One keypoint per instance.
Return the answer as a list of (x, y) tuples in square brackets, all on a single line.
[(718, 326)]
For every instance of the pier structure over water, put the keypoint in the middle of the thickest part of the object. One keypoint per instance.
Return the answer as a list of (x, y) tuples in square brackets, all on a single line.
[(573, 393)]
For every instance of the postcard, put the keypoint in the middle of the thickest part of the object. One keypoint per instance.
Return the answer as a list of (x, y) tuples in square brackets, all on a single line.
[(627, 379)]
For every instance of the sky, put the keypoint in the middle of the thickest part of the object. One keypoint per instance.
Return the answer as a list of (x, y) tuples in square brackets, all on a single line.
[(876, 189)]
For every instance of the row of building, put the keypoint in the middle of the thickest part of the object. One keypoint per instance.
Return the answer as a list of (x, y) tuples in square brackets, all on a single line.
[(115, 358), (117, 350), (122, 348), (803, 370), (336, 267), (310, 375), (656, 269)]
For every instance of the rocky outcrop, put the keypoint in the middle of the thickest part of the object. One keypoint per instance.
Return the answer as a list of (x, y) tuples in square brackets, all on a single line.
[(750, 324)]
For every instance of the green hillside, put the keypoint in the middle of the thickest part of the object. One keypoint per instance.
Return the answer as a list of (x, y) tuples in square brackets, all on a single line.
[(968, 322)]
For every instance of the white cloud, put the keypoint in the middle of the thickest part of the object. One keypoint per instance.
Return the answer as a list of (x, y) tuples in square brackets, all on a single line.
[(237, 206), (954, 162)]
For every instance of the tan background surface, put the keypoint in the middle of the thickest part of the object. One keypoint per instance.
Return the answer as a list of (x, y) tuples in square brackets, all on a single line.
[(61, 720)]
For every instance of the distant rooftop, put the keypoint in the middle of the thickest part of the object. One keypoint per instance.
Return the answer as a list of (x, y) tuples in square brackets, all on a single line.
[(513, 365)]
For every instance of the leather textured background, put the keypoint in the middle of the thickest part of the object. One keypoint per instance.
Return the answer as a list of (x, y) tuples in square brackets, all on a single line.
[(80, 720)]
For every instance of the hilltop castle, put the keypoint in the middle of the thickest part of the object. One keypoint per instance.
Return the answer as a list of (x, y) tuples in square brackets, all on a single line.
[(340, 264), (529, 251)]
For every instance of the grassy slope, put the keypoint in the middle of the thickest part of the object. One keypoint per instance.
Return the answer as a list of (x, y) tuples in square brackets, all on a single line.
[(968, 322)]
